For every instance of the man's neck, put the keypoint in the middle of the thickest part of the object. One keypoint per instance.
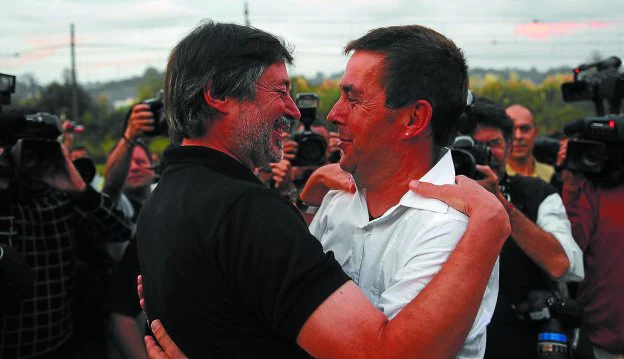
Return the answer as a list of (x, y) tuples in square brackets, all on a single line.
[(523, 166), (388, 186), (217, 146)]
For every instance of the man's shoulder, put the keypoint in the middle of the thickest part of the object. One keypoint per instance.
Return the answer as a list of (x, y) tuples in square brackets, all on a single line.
[(423, 221), (338, 196), (544, 171), (201, 180)]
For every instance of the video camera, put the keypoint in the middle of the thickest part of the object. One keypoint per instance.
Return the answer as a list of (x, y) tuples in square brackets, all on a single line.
[(31, 140), (311, 145), (467, 154), (597, 149)]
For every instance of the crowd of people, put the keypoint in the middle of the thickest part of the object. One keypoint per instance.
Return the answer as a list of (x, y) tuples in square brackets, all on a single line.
[(243, 253)]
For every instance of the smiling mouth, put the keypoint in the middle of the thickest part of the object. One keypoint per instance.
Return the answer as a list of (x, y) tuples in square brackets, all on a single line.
[(282, 124)]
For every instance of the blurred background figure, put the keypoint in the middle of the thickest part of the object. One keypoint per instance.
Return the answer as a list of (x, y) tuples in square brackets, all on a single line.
[(521, 161)]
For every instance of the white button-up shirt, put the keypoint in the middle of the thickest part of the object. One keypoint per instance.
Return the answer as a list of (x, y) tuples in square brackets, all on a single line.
[(392, 258), (552, 218)]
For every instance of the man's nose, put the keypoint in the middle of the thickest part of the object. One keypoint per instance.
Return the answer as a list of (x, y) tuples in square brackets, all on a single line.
[(134, 166), (291, 109), (337, 114)]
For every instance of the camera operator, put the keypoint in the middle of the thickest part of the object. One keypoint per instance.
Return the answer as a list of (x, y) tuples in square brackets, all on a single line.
[(593, 193), (48, 215), (521, 160), (595, 211), (542, 248)]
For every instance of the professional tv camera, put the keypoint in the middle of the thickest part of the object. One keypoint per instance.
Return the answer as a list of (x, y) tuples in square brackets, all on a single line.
[(312, 146), (598, 143), (31, 140)]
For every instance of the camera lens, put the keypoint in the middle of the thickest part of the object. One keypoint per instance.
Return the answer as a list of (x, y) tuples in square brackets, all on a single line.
[(592, 157), (464, 162)]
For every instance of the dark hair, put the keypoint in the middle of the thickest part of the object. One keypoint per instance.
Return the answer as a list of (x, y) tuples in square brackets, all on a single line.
[(487, 113), (139, 143), (229, 58), (421, 64)]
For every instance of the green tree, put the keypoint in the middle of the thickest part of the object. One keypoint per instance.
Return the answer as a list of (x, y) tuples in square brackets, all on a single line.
[(153, 81)]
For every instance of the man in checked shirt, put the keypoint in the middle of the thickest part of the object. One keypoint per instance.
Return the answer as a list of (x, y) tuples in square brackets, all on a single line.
[(43, 218)]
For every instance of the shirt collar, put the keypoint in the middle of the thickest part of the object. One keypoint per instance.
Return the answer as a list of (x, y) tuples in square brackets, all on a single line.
[(206, 156), (442, 173)]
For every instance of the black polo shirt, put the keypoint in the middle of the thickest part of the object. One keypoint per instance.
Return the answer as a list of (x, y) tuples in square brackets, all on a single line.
[(228, 265)]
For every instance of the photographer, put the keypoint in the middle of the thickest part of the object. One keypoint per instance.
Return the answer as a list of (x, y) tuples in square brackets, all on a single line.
[(131, 155), (542, 248), (595, 211), (47, 215)]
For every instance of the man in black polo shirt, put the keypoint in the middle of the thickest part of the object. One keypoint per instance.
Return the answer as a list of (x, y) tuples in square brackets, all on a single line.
[(229, 266)]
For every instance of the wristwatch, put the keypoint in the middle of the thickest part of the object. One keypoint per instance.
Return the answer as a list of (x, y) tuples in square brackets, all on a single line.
[(305, 208)]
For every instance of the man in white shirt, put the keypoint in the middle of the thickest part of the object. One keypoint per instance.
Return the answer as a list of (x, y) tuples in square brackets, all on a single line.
[(402, 91)]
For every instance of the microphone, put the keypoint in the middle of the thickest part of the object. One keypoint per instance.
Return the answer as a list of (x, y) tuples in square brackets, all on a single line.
[(612, 62)]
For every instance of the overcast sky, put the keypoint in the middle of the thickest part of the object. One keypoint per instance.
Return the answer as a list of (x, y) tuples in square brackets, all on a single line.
[(117, 39)]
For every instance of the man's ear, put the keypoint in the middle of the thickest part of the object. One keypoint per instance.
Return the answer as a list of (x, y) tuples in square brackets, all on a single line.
[(418, 119), (220, 104)]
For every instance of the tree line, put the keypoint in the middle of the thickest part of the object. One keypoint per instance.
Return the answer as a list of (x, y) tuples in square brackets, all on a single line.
[(104, 123)]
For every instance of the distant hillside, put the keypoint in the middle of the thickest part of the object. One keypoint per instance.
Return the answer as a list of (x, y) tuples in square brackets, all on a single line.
[(115, 90), (533, 75), (124, 89)]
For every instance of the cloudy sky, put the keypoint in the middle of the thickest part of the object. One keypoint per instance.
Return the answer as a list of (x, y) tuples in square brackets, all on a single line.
[(119, 38)]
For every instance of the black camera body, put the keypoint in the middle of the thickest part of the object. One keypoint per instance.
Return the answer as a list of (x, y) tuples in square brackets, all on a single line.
[(467, 154), (31, 140), (561, 316), (311, 145), (157, 107), (598, 143), (597, 139), (607, 84)]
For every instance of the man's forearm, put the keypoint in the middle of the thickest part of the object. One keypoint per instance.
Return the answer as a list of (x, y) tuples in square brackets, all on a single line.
[(128, 336), (445, 310), (541, 246), (117, 166)]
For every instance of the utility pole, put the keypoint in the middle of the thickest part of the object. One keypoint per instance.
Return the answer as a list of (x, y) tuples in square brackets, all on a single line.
[(247, 23), (73, 76)]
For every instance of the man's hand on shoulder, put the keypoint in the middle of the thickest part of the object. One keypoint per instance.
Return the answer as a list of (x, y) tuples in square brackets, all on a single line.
[(324, 179), (471, 199)]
